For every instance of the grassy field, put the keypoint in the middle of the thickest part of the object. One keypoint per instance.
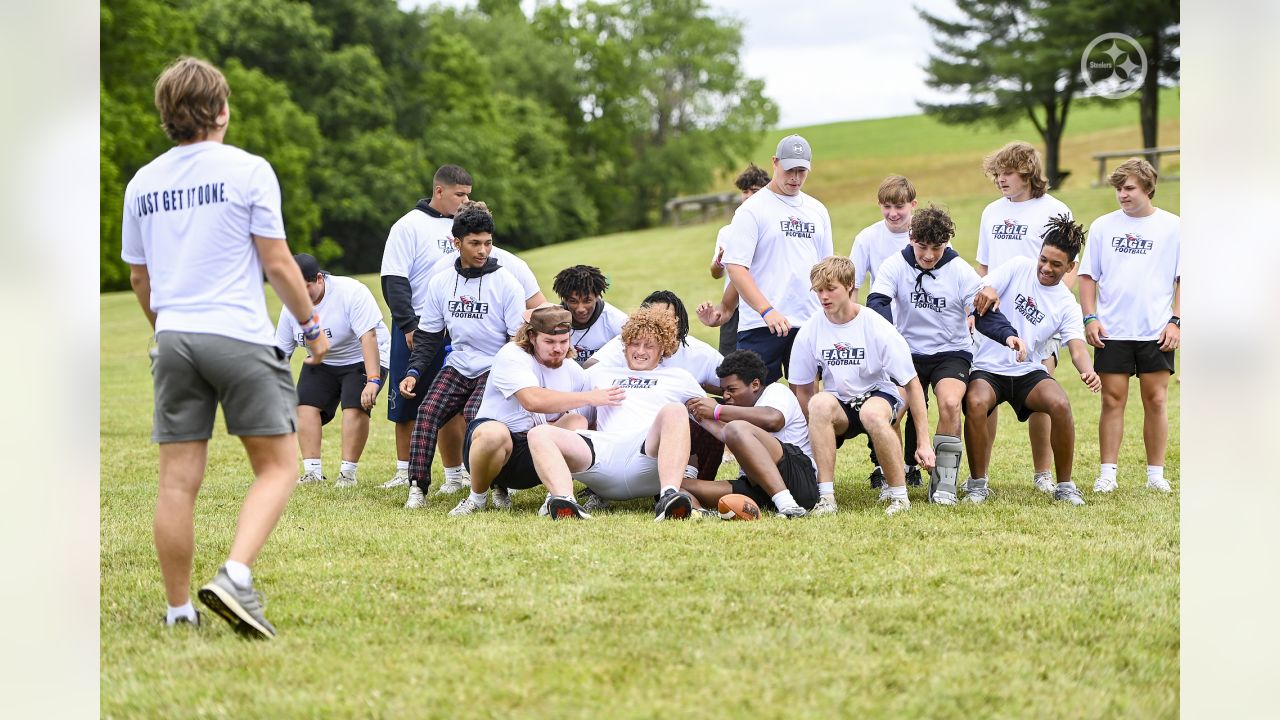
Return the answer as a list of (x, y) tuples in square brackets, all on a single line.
[(1019, 608)]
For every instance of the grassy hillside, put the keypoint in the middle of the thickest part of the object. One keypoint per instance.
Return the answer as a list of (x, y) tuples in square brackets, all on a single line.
[(1019, 608)]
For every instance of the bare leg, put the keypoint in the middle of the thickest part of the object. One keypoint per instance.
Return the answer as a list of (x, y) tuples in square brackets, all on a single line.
[(826, 421), (1038, 429), (1048, 397), (557, 454), (978, 433), (355, 433), (404, 436), (490, 451), (182, 467), (1115, 395), (1155, 414), (452, 433), (706, 493), (877, 418), (309, 431), (950, 393), (758, 453), (273, 467), (668, 441)]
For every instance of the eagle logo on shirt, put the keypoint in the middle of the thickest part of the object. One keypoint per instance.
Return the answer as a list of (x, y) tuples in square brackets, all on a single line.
[(635, 382), (1131, 244), (1026, 307), (924, 301), (446, 244), (582, 354), (842, 353), (467, 307), (794, 227), (1008, 230)]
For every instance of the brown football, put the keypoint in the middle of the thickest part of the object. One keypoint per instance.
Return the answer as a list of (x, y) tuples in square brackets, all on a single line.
[(738, 507)]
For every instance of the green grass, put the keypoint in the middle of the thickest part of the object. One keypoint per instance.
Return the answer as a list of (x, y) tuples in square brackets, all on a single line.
[(1020, 608)]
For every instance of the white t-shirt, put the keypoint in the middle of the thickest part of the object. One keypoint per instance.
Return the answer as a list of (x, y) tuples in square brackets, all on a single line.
[(647, 391), (860, 356), (872, 247), (414, 244), (930, 309), (779, 238), (481, 313), (506, 260), (1035, 311), (1012, 229), (1135, 262), (190, 216), (795, 429), (606, 326), (346, 312), (514, 370), (697, 358)]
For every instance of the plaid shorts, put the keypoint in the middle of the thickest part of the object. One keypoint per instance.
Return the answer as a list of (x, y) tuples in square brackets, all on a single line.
[(451, 392)]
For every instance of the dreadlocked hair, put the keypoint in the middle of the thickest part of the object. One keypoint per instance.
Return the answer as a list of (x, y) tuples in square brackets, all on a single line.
[(580, 280), (932, 226), (677, 306), (648, 322), (1065, 234), (472, 218)]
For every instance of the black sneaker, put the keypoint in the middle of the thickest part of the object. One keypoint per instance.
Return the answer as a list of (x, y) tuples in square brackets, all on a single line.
[(877, 478), (559, 508), (913, 476), (673, 504)]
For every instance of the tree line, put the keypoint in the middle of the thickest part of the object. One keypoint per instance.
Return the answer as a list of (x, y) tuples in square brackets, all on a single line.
[(574, 121)]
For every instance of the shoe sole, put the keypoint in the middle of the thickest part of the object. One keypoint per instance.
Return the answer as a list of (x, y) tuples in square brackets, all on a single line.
[(226, 607), (562, 509), (678, 509)]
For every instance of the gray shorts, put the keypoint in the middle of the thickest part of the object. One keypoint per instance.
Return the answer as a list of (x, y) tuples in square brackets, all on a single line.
[(621, 471), (196, 372)]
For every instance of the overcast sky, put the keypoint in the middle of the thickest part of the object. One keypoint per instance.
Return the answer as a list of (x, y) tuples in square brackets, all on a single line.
[(827, 60)]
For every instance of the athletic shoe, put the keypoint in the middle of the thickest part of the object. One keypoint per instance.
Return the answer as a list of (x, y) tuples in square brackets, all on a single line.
[(793, 512), (1105, 485), (691, 472), (311, 477), (897, 505), (466, 507), (454, 484), (416, 498), (885, 494), (1044, 482), (1159, 484), (400, 478), (183, 621), (913, 476), (242, 607), (826, 505), (942, 497), (876, 478), (544, 511), (672, 504), (345, 480), (704, 514), (975, 491), (593, 502), (501, 498), (560, 508), (1069, 494)]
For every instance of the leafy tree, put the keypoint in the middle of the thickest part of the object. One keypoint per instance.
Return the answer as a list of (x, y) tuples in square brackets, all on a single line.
[(1155, 25), (1013, 59)]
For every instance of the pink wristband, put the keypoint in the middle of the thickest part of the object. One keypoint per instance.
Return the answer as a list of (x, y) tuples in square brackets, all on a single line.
[(715, 414)]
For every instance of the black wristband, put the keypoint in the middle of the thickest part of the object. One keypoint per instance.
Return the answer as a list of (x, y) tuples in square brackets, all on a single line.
[(1176, 321)]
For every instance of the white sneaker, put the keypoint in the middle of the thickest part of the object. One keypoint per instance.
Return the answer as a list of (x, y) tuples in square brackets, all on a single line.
[(1044, 482), (885, 494), (545, 509), (501, 499), (1068, 494), (1159, 484), (897, 505), (466, 507), (975, 492), (691, 472), (826, 505), (1105, 485), (311, 477), (942, 497), (416, 498), (451, 485), (399, 479), (345, 480)]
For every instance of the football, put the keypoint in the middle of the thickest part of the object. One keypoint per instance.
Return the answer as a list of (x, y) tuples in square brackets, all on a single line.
[(738, 507)]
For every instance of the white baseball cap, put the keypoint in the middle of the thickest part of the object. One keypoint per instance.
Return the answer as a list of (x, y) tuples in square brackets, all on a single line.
[(794, 151)]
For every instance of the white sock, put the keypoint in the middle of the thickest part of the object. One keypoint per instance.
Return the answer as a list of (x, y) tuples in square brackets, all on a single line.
[(978, 482), (827, 488), (909, 468), (570, 497), (348, 467), (239, 573), (898, 493), (784, 501), (1108, 471), (663, 490), (187, 611), (1044, 473), (456, 471), (402, 466), (1155, 471), (312, 465), (480, 498), (1067, 484)]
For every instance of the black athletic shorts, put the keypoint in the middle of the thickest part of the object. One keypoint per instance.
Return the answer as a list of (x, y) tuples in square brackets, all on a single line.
[(518, 473), (322, 386), (797, 475), (1131, 357), (932, 368), (1012, 389), (855, 422)]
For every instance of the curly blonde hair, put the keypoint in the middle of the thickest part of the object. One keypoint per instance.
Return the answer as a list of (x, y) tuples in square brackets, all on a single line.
[(1022, 158), (654, 323)]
